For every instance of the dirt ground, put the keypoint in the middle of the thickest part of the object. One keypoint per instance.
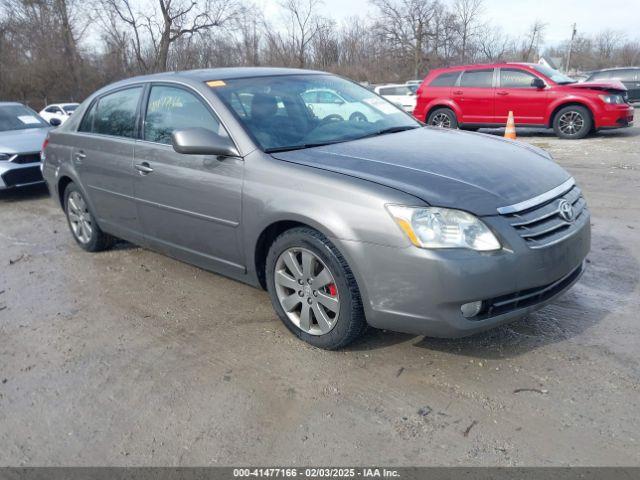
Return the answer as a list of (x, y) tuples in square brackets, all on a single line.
[(128, 357)]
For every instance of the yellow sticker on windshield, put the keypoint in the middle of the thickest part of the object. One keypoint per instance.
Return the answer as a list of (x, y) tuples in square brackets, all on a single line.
[(216, 83)]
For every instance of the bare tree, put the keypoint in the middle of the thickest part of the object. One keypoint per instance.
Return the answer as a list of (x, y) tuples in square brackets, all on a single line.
[(467, 15), (532, 40), (406, 25), (158, 28)]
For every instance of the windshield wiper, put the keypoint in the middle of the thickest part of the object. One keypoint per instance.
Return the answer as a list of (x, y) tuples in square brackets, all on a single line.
[(385, 131), (302, 146)]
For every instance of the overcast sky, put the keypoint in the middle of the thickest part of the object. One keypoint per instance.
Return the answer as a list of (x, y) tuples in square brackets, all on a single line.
[(514, 16)]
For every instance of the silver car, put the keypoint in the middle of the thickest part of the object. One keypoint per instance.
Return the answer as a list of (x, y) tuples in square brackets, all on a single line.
[(346, 223), (22, 133)]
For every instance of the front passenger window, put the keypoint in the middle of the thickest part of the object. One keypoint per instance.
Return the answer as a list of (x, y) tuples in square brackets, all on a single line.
[(514, 78), (173, 108)]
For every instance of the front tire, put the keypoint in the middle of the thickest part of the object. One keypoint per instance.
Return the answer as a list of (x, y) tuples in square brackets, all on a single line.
[(443, 118), (313, 290), (572, 122), (82, 224)]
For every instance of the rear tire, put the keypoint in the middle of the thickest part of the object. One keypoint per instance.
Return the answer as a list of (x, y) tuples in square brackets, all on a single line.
[(84, 228), (572, 122), (325, 312), (443, 118)]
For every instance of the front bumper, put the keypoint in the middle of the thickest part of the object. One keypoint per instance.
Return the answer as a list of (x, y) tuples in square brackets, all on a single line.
[(615, 116), (13, 174), (421, 291)]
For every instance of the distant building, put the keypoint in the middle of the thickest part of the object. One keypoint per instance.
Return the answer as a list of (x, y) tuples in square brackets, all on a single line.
[(551, 62)]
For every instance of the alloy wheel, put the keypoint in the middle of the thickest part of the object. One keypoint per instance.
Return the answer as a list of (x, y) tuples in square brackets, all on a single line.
[(79, 217), (441, 120), (307, 291), (571, 123)]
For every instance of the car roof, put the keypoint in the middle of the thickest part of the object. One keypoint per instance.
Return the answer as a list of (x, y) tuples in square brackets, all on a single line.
[(613, 69), (10, 104), (61, 104), (209, 74), (485, 65)]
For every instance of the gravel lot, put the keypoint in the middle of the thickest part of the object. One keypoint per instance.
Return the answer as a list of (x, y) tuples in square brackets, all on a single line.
[(128, 357)]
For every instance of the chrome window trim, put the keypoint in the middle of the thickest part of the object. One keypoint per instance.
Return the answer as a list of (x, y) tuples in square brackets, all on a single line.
[(532, 202)]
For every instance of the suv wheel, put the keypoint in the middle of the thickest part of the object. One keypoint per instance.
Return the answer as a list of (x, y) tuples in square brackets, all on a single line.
[(313, 289), (84, 228), (443, 118), (572, 122)]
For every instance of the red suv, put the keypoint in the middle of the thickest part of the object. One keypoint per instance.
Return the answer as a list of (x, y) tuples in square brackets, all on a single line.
[(477, 96)]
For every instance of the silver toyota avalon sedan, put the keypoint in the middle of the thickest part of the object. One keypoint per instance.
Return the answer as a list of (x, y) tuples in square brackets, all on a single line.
[(345, 208)]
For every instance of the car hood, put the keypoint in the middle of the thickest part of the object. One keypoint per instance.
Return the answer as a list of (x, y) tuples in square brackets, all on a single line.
[(28, 140), (605, 85), (448, 168)]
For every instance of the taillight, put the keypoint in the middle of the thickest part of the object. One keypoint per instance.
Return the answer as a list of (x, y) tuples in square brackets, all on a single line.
[(44, 145)]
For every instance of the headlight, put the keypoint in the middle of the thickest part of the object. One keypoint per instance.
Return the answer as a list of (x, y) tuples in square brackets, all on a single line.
[(4, 156), (432, 227), (612, 99)]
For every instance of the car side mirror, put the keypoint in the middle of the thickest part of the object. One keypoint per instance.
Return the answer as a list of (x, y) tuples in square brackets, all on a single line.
[(55, 122), (538, 83), (202, 141)]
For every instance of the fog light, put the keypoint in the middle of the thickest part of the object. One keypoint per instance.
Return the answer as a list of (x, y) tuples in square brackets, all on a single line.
[(471, 309)]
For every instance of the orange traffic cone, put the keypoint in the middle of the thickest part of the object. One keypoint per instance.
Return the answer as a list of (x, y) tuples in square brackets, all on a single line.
[(510, 131)]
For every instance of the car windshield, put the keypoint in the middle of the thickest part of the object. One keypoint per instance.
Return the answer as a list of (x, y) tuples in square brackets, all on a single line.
[(70, 108), (555, 75), (19, 117), (300, 111)]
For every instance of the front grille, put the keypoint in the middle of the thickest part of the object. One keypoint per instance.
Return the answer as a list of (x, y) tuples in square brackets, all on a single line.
[(526, 298), (542, 225), (27, 158), (22, 176)]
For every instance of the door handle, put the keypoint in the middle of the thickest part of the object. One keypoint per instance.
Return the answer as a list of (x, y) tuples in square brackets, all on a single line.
[(502, 93), (79, 156), (457, 92), (144, 168)]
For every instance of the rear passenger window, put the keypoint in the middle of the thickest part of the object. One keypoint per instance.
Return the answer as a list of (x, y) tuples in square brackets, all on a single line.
[(173, 108), (514, 78), (445, 80), (116, 113), (87, 121), (477, 78)]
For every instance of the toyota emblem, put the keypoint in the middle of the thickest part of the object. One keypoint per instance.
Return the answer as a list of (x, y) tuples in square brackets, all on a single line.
[(566, 210)]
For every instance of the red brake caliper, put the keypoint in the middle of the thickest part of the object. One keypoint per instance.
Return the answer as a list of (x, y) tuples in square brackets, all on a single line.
[(333, 291)]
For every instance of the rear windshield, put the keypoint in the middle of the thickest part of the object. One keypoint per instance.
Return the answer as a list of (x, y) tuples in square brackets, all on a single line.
[(70, 108), (19, 117)]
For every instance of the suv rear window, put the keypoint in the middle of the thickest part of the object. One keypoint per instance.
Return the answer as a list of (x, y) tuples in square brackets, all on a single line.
[(477, 78), (445, 79)]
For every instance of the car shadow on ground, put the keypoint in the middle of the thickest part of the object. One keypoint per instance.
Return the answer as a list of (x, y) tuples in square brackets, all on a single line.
[(32, 192), (525, 132), (610, 279)]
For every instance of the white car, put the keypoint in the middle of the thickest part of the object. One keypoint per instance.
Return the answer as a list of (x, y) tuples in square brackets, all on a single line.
[(400, 94), (61, 111), (327, 105)]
